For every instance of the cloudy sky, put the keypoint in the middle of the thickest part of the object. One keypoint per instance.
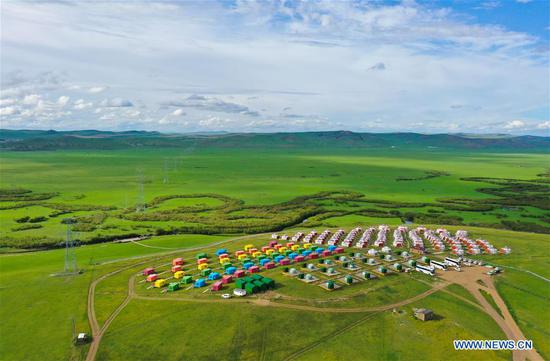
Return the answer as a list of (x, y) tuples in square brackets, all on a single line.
[(371, 66)]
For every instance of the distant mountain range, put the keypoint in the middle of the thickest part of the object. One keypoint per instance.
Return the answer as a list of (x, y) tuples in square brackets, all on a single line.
[(34, 140)]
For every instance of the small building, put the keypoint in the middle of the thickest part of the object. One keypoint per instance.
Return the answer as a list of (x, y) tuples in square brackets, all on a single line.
[(173, 286), (148, 271), (424, 314), (230, 270), (179, 274), (227, 279), (81, 338), (217, 286), (176, 268), (152, 277), (338, 250), (284, 262), (202, 260), (186, 280), (293, 271), (299, 259), (262, 286), (160, 283), (177, 261), (214, 276), (221, 251), (201, 255), (202, 266), (239, 283), (201, 282), (239, 292), (268, 282), (205, 272), (251, 288), (239, 273), (269, 265)]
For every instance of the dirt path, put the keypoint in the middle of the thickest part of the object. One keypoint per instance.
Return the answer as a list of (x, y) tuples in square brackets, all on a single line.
[(468, 279)]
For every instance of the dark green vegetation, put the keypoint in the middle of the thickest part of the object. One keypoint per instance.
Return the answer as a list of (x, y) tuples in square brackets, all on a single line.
[(31, 140), (211, 187)]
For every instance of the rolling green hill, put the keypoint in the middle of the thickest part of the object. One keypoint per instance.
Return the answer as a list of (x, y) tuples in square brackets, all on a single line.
[(32, 140)]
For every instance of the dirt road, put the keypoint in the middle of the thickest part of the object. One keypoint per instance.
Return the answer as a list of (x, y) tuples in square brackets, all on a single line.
[(468, 279)]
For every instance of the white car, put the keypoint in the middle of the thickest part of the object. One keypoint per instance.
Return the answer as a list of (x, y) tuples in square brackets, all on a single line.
[(226, 296)]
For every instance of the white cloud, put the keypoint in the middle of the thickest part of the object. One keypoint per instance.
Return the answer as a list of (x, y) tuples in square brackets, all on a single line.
[(81, 104), (544, 125), (7, 101), (132, 113), (178, 112), (8, 111), (31, 99), (513, 124), (429, 66), (524, 1), (63, 100), (212, 104), (97, 89)]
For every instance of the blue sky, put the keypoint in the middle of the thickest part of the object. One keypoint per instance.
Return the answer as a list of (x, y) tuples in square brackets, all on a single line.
[(246, 66)]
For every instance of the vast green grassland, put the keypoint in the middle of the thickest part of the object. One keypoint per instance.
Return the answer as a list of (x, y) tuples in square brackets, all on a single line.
[(241, 191), (189, 197)]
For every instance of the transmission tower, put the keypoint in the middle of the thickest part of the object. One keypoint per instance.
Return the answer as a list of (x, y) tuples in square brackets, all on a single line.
[(140, 204), (70, 254), (165, 180)]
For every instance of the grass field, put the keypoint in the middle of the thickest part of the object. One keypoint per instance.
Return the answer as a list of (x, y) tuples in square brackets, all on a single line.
[(225, 194), (236, 191), (24, 283)]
